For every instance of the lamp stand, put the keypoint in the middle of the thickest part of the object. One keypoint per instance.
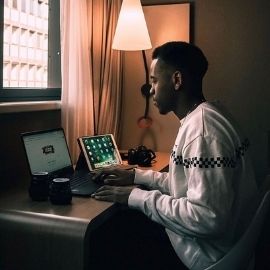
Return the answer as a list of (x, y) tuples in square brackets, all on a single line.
[(145, 121), (145, 89)]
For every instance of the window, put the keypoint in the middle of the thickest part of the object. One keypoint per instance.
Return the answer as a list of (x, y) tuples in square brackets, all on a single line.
[(30, 64)]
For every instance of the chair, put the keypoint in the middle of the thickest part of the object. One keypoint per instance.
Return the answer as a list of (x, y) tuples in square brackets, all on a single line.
[(241, 256)]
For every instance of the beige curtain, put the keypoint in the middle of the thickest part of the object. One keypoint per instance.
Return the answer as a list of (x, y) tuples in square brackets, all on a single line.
[(91, 70), (107, 65)]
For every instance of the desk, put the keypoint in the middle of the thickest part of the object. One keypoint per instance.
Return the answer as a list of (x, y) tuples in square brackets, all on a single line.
[(39, 235)]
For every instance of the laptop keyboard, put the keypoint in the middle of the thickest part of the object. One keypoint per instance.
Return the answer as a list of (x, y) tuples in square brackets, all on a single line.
[(80, 178)]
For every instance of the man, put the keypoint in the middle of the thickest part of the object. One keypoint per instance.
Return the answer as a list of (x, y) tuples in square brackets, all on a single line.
[(204, 198)]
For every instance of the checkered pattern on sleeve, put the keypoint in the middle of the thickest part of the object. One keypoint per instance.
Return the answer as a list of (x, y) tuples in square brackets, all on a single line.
[(211, 162)]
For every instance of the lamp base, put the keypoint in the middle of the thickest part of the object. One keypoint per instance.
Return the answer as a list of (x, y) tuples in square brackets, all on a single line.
[(144, 122)]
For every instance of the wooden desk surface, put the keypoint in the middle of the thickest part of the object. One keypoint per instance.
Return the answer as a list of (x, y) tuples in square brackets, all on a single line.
[(81, 207), (44, 229)]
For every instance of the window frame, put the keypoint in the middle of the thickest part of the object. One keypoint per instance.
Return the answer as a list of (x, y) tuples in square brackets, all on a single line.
[(53, 91)]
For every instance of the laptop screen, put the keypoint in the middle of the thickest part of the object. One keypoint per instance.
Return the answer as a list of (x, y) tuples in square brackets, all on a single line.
[(100, 151), (46, 151)]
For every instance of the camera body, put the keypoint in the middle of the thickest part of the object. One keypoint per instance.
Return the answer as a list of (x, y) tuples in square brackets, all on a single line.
[(141, 156)]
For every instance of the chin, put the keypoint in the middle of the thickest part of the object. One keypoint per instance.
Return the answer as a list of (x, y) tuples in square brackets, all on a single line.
[(163, 112)]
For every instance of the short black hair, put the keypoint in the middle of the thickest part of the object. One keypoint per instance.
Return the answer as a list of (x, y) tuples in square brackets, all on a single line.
[(183, 56)]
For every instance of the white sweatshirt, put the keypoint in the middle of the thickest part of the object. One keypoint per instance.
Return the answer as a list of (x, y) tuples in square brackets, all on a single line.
[(202, 200)]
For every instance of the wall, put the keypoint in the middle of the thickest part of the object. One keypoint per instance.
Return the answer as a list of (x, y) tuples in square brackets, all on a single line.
[(235, 38), (13, 165)]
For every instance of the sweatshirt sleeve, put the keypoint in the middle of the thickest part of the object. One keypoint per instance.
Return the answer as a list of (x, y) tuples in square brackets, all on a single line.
[(206, 207), (152, 180)]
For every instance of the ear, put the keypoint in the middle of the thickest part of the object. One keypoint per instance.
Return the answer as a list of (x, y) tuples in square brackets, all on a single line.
[(177, 79)]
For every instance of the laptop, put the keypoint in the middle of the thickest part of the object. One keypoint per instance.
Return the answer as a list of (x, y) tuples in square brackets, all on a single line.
[(101, 152), (47, 151)]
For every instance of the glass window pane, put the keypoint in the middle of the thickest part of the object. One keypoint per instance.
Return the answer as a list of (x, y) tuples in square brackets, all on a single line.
[(25, 48), (14, 4), (23, 6)]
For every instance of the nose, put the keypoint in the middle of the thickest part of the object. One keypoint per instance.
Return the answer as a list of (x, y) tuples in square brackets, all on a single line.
[(152, 90)]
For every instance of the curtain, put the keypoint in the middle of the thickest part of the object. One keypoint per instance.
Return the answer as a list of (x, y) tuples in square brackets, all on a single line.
[(107, 65), (91, 70)]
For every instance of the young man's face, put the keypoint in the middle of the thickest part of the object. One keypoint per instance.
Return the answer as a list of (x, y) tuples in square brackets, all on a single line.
[(162, 87)]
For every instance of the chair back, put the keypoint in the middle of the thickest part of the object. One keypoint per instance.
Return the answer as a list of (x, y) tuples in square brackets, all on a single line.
[(240, 256)]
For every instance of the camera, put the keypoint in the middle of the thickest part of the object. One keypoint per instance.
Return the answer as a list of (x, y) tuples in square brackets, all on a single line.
[(141, 156)]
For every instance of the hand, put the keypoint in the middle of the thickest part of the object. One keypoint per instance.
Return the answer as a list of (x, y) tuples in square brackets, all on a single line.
[(115, 177), (113, 194)]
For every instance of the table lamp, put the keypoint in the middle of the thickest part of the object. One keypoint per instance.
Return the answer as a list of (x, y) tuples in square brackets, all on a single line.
[(131, 34)]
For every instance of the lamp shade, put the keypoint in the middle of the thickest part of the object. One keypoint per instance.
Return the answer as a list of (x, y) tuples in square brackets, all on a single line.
[(131, 32)]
